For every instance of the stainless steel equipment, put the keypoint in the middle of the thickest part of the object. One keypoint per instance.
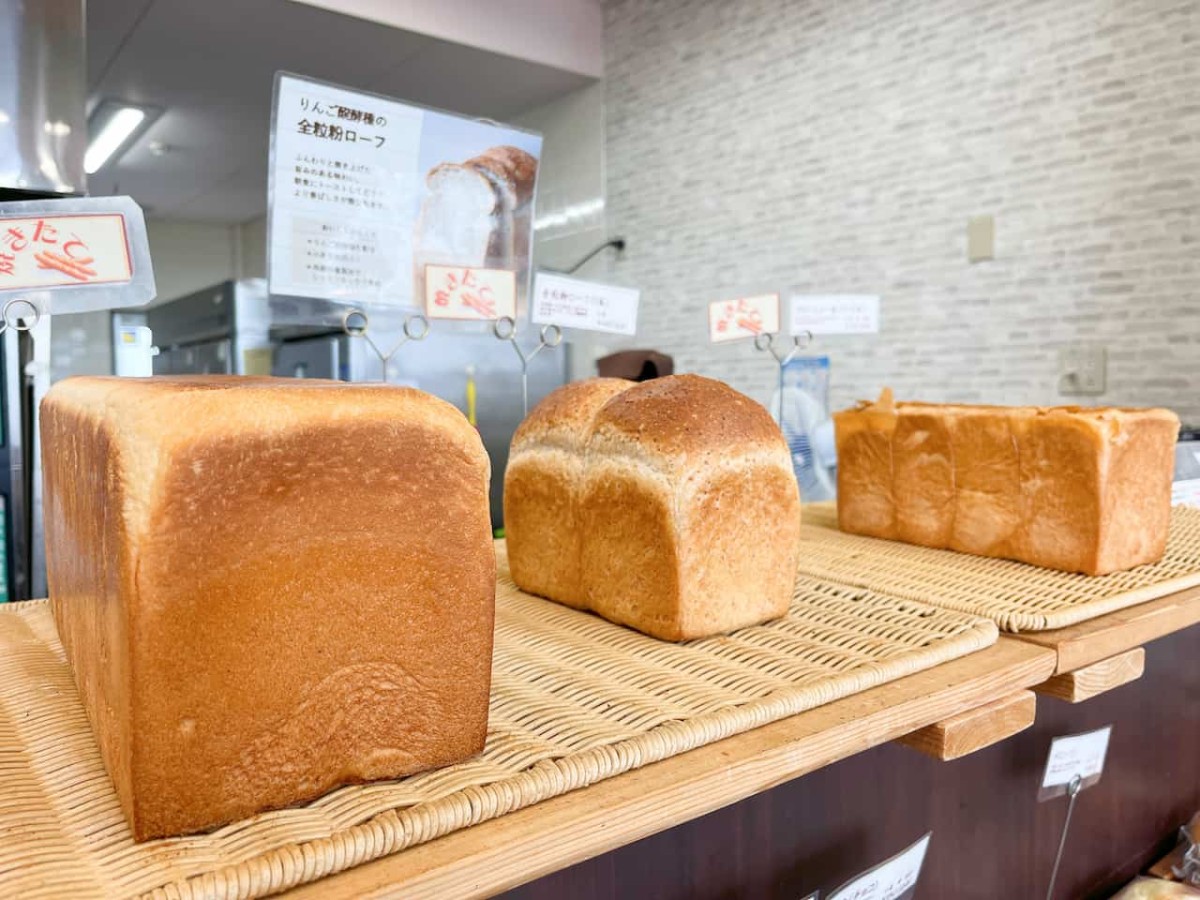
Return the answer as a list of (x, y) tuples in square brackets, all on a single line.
[(43, 92), (219, 330)]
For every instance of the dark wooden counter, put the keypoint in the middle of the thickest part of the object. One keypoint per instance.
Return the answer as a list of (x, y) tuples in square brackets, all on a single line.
[(991, 839)]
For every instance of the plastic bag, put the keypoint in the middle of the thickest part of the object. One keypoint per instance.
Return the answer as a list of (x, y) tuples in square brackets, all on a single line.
[(1155, 889)]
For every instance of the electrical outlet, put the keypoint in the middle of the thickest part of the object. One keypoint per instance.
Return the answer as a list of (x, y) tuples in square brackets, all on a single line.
[(981, 239), (1081, 369)]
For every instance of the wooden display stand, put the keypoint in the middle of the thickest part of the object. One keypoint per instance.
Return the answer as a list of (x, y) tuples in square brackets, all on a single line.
[(947, 712)]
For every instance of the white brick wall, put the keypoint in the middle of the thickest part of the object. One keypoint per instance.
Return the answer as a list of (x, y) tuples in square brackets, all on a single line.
[(842, 146)]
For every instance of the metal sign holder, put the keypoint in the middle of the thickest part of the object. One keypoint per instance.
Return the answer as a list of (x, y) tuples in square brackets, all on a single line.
[(505, 329), (355, 323), (1073, 789), (783, 355), (26, 322)]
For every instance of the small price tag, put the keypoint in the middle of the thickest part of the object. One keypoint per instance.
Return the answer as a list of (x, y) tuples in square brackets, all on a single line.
[(1075, 756), (55, 251), (833, 313), (1186, 493), (746, 317), (571, 303), (892, 879), (463, 292)]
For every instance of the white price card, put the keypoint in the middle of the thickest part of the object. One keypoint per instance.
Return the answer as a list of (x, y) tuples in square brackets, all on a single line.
[(571, 303), (1075, 756), (893, 879), (833, 313), (1186, 492), (461, 292), (746, 317)]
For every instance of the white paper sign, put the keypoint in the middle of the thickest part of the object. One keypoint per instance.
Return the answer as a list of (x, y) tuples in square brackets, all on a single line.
[(892, 879), (460, 292), (1079, 755), (571, 303), (746, 317), (1186, 493), (343, 172), (54, 251), (366, 191), (833, 313)]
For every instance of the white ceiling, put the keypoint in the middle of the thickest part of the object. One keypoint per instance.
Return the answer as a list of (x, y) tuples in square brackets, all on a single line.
[(210, 65)]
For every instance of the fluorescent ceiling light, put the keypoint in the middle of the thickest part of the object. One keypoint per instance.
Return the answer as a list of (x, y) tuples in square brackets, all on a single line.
[(113, 127)]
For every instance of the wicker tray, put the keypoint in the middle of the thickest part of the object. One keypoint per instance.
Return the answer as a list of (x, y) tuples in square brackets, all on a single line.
[(1017, 596), (575, 700)]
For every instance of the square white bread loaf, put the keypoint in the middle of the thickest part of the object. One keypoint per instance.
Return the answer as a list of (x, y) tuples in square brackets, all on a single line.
[(1078, 489), (670, 506), (267, 588)]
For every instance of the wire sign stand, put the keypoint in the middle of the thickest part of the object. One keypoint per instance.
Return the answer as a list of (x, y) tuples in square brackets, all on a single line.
[(20, 314), (356, 324), (784, 353), (505, 329)]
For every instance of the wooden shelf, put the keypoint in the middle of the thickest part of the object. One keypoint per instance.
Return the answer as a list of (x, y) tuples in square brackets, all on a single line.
[(975, 729), (503, 853), (1107, 636), (1098, 678)]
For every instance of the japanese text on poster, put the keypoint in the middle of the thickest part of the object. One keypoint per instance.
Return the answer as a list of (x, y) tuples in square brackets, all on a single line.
[(342, 182), (461, 292), (366, 191), (55, 251), (571, 303), (746, 317)]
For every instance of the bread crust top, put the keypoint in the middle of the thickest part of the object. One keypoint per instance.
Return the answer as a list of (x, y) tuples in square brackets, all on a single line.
[(686, 416)]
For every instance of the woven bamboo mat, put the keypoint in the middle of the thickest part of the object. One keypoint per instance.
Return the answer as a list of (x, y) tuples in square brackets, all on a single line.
[(575, 700), (1017, 596)]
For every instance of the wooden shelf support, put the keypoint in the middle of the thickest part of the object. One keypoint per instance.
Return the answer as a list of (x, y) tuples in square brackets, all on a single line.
[(1090, 681), (975, 729)]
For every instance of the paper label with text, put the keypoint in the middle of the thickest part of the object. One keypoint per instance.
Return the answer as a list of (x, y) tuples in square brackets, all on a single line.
[(461, 292), (833, 313), (1079, 755), (1186, 492), (571, 303), (746, 317), (893, 879), (55, 251)]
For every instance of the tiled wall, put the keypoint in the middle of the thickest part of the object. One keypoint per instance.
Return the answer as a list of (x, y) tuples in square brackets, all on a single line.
[(842, 146)]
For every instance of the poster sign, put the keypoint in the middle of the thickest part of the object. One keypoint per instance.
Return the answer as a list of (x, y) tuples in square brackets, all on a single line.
[(585, 305), (833, 313), (1075, 756), (746, 317), (893, 879), (460, 292), (366, 192)]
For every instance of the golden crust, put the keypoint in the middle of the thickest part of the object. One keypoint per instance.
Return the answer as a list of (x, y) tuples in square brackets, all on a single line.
[(302, 594), (566, 415), (1072, 488), (670, 506), (683, 415)]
